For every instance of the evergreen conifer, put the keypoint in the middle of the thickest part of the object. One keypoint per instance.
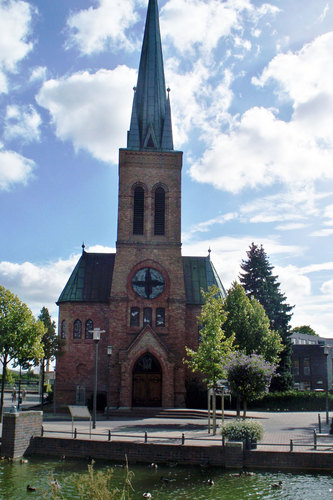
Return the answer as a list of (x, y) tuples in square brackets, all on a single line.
[(259, 282)]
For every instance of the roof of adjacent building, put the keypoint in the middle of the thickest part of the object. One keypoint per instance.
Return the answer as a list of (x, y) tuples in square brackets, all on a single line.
[(91, 279)]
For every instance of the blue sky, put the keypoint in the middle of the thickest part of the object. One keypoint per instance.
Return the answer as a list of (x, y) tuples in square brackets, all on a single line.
[(252, 105)]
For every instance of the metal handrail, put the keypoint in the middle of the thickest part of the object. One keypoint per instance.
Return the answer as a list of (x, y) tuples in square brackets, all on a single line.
[(109, 436)]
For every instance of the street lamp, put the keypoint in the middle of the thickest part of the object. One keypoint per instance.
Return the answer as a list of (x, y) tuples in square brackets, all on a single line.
[(96, 336), (55, 392), (326, 352), (109, 353)]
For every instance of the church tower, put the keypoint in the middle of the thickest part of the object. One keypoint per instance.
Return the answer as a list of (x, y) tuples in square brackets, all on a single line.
[(148, 278), (146, 297)]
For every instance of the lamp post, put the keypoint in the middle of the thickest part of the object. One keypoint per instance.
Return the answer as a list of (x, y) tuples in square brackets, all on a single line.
[(109, 353), (96, 336), (326, 352), (19, 391), (55, 392)]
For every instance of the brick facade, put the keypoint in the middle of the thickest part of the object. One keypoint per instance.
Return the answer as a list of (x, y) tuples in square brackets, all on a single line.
[(134, 252)]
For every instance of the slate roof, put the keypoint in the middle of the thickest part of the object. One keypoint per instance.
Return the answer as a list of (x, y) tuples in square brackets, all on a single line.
[(91, 279), (199, 273)]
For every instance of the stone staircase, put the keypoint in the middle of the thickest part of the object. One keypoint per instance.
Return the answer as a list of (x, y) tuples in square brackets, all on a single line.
[(163, 413)]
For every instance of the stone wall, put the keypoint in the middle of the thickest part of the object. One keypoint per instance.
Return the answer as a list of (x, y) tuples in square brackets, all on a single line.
[(233, 457), (17, 430)]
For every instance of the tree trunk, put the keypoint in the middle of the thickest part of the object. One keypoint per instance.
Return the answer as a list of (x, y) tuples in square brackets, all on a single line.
[(238, 406), (4, 366), (244, 409)]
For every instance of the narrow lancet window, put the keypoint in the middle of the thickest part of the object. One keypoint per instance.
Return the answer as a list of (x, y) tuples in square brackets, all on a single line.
[(159, 220), (77, 329), (88, 329), (138, 210)]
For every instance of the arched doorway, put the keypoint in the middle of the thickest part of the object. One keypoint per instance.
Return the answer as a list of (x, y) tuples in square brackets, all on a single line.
[(147, 382)]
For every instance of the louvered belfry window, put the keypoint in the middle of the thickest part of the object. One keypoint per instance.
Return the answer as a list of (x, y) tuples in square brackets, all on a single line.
[(159, 220), (138, 212)]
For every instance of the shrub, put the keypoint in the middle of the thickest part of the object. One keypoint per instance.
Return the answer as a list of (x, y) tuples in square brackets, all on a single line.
[(293, 401), (242, 430)]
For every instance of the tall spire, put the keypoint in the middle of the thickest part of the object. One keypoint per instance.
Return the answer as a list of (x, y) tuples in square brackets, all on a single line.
[(150, 127)]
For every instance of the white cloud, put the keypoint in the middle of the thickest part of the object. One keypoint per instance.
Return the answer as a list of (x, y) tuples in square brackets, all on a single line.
[(38, 73), (40, 285), (91, 110), (199, 29), (14, 169), (322, 233), (228, 252), (15, 18), (327, 288), (259, 148), (37, 285), (95, 29), (292, 226), (23, 122)]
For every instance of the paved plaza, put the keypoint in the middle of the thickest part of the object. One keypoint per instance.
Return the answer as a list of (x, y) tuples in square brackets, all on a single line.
[(279, 429)]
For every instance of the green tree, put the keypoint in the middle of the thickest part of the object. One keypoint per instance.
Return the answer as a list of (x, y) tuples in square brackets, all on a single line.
[(249, 377), (305, 329), (247, 320), (259, 281), (51, 343), (214, 347), (20, 335)]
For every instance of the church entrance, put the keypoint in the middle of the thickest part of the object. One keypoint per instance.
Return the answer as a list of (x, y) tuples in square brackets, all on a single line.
[(147, 382)]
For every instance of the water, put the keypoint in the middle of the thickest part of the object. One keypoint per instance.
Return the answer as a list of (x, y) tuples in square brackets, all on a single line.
[(178, 482)]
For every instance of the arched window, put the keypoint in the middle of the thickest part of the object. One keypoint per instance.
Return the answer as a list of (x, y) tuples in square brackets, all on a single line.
[(63, 329), (77, 329), (135, 316), (159, 219), (147, 316), (138, 210), (160, 316), (87, 331)]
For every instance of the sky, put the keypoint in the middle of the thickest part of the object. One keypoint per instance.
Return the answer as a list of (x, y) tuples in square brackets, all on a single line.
[(252, 108)]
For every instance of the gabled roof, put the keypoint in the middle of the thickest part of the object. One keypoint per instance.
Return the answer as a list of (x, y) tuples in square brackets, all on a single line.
[(91, 279)]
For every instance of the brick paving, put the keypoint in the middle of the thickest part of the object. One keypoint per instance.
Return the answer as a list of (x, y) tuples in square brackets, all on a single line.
[(279, 429)]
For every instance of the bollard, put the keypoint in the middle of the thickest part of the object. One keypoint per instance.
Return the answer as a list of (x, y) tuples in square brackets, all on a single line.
[(146, 437), (42, 431), (291, 445), (183, 438), (75, 433), (109, 436), (331, 428), (314, 439), (319, 423), (223, 441)]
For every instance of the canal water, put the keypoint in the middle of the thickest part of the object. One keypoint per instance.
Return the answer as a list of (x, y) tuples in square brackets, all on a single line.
[(164, 483)]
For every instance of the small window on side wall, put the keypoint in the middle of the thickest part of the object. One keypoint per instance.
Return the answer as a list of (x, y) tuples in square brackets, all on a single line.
[(160, 316), (63, 329), (88, 329), (77, 329), (147, 316), (135, 316)]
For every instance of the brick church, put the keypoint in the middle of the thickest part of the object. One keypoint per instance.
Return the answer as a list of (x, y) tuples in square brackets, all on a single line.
[(145, 298)]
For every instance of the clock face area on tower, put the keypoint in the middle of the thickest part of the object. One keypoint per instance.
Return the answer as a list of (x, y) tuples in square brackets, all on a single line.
[(148, 283)]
